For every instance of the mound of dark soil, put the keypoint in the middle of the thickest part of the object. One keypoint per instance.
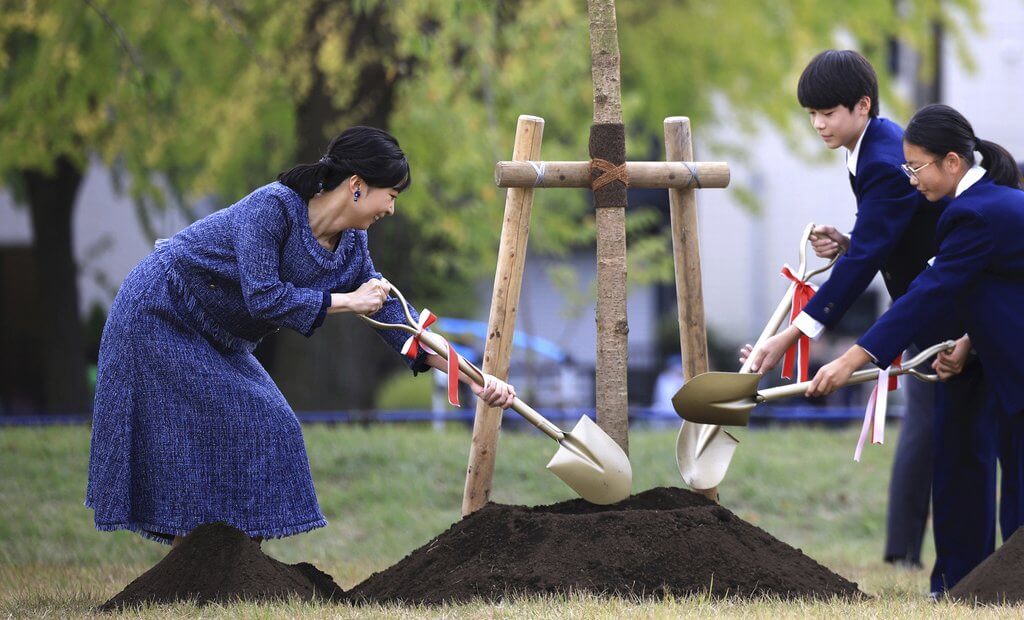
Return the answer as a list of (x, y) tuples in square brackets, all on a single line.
[(663, 540), (999, 579), (218, 563)]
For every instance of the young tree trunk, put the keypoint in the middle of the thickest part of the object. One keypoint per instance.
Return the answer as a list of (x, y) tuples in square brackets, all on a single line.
[(610, 203), (51, 198)]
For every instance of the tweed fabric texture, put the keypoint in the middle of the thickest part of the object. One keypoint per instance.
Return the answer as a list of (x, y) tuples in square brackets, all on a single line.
[(188, 427)]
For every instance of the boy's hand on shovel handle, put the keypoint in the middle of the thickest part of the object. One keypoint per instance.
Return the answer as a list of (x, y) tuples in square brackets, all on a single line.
[(772, 350), (826, 241), (745, 352)]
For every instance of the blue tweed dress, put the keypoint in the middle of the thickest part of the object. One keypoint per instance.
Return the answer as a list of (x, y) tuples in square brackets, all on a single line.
[(188, 428)]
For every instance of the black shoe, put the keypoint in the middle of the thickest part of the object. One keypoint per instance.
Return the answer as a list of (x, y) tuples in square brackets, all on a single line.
[(904, 562)]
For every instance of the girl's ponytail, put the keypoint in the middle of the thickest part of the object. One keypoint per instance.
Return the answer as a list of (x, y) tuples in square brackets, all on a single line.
[(1000, 165)]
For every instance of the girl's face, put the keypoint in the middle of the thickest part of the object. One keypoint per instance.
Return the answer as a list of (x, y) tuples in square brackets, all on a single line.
[(935, 176)]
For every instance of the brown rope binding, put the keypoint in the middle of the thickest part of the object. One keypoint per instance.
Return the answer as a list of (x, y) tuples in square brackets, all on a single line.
[(609, 173)]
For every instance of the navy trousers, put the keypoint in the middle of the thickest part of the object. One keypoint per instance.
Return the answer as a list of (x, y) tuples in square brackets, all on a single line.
[(972, 433), (910, 487)]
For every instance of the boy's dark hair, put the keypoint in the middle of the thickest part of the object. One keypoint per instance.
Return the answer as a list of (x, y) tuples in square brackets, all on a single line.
[(371, 153), (838, 77), (939, 129)]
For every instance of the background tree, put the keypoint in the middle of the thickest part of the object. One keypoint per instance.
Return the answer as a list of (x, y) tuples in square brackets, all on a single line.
[(191, 99)]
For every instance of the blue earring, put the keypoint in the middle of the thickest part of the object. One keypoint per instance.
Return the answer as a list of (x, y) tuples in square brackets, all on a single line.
[(355, 196)]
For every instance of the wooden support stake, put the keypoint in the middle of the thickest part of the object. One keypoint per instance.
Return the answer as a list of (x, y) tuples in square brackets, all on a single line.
[(642, 174), (612, 323), (693, 335), (508, 279)]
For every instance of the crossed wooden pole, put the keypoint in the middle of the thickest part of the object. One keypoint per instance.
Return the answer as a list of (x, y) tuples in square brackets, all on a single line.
[(608, 175), (521, 176)]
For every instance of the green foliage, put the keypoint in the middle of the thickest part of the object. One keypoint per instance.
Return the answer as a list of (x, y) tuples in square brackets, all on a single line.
[(210, 94), (750, 54)]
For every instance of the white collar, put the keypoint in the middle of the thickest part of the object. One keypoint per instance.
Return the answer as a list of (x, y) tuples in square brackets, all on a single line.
[(851, 157), (970, 177)]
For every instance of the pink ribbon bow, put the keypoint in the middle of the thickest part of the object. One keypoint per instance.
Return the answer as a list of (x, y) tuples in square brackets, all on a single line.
[(874, 413), (413, 345)]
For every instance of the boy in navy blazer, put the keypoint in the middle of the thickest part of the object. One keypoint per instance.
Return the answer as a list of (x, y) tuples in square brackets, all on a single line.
[(894, 230), (893, 235)]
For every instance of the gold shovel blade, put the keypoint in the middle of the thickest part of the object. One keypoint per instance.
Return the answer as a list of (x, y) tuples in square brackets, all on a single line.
[(592, 464), (718, 398), (706, 469)]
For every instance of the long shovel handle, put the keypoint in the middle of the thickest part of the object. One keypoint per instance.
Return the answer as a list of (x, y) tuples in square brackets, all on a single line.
[(772, 327), (708, 434), (777, 318), (439, 345), (862, 376)]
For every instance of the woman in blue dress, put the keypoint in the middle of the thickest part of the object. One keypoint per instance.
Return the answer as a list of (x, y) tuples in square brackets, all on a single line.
[(977, 274), (188, 428)]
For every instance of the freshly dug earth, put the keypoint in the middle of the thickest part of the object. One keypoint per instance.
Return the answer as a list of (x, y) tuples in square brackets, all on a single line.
[(660, 541), (218, 563), (999, 579)]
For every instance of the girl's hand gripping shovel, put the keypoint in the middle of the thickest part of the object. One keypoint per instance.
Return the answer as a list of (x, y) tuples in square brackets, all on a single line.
[(726, 398), (703, 450), (587, 460)]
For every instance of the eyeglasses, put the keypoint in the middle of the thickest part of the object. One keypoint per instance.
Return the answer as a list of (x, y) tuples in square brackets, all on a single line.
[(912, 172)]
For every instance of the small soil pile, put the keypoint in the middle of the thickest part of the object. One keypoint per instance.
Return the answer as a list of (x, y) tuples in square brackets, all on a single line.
[(218, 563), (663, 540), (999, 579)]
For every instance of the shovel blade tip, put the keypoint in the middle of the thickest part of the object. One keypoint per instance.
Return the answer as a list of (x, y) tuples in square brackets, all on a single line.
[(593, 465)]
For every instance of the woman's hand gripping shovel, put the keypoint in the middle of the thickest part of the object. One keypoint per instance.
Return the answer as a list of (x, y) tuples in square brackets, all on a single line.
[(587, 460), (703, 450), (726, 398)]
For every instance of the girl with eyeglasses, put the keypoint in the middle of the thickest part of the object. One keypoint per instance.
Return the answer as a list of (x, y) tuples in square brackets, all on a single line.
[(977, 274)]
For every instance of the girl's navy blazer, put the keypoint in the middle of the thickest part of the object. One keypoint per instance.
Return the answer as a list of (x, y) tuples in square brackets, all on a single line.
[(978, 274)]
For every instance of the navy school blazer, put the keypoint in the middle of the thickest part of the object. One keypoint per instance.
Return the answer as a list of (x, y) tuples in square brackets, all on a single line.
[(894, 232), (978, 274)]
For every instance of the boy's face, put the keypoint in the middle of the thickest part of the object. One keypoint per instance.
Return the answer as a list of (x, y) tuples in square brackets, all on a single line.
[(840, 126)]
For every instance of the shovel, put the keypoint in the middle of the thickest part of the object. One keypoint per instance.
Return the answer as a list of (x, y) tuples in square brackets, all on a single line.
[(726, 398), (587, 460), (703, 453)]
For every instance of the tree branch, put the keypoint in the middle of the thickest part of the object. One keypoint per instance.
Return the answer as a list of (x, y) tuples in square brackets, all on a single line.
[(126, 46)]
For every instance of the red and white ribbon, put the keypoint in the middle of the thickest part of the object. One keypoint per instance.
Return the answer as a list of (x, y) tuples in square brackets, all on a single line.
[(413, 345), (874, 413), (798, 355)]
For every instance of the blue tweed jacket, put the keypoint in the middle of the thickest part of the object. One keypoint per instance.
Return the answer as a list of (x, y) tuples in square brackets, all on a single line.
[(250, 269)]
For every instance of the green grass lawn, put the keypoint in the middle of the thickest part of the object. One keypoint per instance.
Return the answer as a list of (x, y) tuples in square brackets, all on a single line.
[(387, 490)]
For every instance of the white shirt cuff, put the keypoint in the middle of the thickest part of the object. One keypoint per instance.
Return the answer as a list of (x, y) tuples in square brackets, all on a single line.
[(810, 327), (874, 358)]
